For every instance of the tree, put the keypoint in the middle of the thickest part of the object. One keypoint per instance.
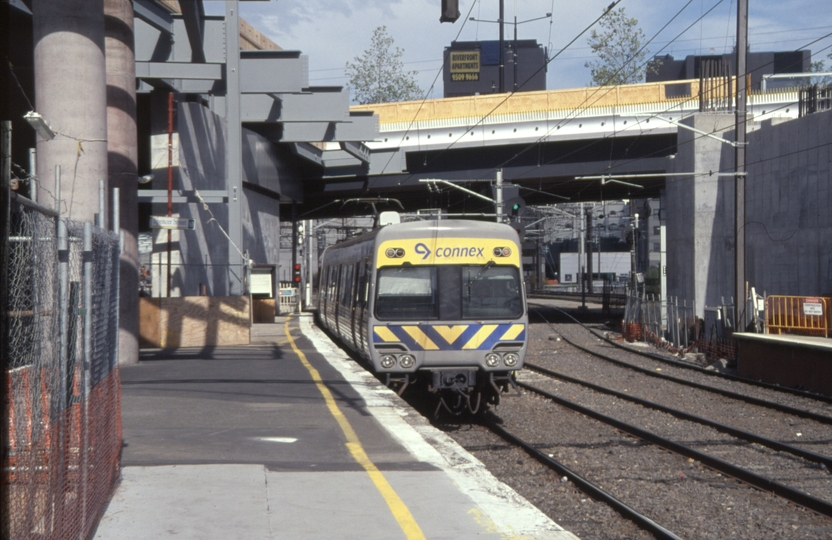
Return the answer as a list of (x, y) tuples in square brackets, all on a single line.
[(819, 66), (378, 76), (618, 45)]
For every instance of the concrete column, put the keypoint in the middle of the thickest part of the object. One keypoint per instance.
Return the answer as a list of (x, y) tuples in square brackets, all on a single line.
[(70, 88), (122, 160), (700, 214)]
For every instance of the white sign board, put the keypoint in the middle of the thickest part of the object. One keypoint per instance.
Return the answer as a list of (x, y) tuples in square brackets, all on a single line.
[(164, 222), (812, 306), (261, 284)]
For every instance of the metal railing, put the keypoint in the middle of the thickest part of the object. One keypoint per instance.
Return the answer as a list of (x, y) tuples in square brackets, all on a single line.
[(798, 315), (815, 99), (672, 325)]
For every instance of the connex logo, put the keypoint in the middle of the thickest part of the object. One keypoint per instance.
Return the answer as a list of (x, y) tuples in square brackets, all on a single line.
[(422, 249)]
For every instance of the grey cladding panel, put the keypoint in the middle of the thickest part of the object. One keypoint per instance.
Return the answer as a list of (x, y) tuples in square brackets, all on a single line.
[(267, 75)]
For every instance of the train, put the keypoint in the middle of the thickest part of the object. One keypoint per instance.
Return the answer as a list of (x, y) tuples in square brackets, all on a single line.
[(438, 305)]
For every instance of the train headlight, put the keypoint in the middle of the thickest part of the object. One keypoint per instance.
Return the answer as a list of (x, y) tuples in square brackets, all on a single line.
[(510, 359), (492, 359), (407, 361), (394, 253), (388, 361)]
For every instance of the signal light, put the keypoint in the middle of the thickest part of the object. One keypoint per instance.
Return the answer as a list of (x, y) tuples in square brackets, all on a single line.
[(450, 11), (296, 273)]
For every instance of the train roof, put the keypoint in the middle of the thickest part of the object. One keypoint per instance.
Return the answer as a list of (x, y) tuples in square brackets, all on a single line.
[(447, 228)]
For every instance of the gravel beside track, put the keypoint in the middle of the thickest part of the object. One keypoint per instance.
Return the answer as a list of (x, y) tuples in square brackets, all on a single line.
[(679, 493)]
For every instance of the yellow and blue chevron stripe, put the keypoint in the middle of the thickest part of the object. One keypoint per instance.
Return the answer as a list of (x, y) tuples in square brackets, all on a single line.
[(440, 337)]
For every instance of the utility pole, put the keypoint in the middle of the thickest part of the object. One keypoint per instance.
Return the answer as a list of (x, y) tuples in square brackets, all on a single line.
[(589, 249), (634, 252), (498, 203), (739, 155), (502, 48)]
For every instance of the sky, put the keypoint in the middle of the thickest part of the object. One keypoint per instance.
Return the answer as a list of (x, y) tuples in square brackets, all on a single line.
[(334, 32)]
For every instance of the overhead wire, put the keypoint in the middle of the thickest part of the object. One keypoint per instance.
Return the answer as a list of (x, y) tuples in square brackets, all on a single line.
[(657, 115), (509, 95), (581, 108), (424, 99)]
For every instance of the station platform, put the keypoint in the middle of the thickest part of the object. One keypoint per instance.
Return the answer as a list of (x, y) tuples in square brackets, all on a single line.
[(786, 359), (289, 438)]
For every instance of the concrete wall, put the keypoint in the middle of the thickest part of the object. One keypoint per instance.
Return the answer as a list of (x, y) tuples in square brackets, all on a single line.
[(789, 194), (699, 211), (788, 222)]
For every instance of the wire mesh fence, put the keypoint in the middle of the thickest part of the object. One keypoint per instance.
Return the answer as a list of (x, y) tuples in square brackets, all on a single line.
[(672, 325), (63, 427)]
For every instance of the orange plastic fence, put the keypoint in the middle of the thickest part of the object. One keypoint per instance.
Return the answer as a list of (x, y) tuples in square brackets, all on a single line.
[(798, 315), (63, 461)]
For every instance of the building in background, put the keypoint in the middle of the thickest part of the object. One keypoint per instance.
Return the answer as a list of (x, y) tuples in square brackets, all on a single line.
[(473, 67)]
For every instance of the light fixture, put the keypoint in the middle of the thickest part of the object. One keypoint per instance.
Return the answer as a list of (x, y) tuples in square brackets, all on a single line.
[(39, 124), (145, 179)]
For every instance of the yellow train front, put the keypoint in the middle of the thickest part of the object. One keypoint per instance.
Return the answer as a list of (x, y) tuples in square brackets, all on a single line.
[(439, 305)]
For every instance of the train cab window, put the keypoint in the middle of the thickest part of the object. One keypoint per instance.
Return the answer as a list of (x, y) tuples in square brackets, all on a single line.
[(407, 293), (491, 292)]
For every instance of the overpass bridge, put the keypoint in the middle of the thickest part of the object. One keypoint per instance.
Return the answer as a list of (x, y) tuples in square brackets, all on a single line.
[(545, 142)]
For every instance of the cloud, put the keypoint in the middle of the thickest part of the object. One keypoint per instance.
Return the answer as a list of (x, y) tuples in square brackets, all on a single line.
[(334, 32)]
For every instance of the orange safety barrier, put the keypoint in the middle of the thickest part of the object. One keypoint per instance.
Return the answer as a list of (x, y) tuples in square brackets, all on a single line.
[(798, 315)]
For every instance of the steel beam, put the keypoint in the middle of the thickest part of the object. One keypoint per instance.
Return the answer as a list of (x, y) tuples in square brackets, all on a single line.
[(234, 148), (193, 14), (209, 196), (153, 14), (178, 70), (273, 72)]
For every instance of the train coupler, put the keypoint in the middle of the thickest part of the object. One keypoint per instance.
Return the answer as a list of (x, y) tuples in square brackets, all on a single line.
[(502, 384), (403, 381)]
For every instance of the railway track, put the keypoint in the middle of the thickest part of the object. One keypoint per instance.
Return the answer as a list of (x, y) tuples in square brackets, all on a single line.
[(686, 454)]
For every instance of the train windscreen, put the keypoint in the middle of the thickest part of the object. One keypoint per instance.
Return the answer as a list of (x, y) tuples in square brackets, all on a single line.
[(448, 292)]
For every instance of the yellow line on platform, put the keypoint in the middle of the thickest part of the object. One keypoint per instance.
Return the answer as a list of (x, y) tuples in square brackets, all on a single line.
[(397, 507)]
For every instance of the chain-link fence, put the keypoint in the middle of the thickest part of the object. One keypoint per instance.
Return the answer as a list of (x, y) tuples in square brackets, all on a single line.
[(63, 428)]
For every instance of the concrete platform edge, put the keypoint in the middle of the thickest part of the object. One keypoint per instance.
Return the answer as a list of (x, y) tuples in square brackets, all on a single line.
[(507, 511)]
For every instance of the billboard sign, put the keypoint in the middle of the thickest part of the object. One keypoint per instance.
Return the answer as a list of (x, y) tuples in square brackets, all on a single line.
[(465, 65)]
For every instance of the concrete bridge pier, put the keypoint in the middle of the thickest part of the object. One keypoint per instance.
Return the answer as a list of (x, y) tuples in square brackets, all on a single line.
[(70, 87), (700, 214)]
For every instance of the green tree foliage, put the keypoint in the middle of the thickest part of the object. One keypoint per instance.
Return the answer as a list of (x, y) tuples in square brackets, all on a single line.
[(617, 44), (378, 75), (819, 66)]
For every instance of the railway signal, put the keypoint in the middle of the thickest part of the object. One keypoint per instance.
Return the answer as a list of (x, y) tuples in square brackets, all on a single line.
[(450, 11), (296, 273)]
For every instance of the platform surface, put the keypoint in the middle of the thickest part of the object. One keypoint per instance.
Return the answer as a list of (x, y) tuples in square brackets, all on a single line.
[(289, 438)]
